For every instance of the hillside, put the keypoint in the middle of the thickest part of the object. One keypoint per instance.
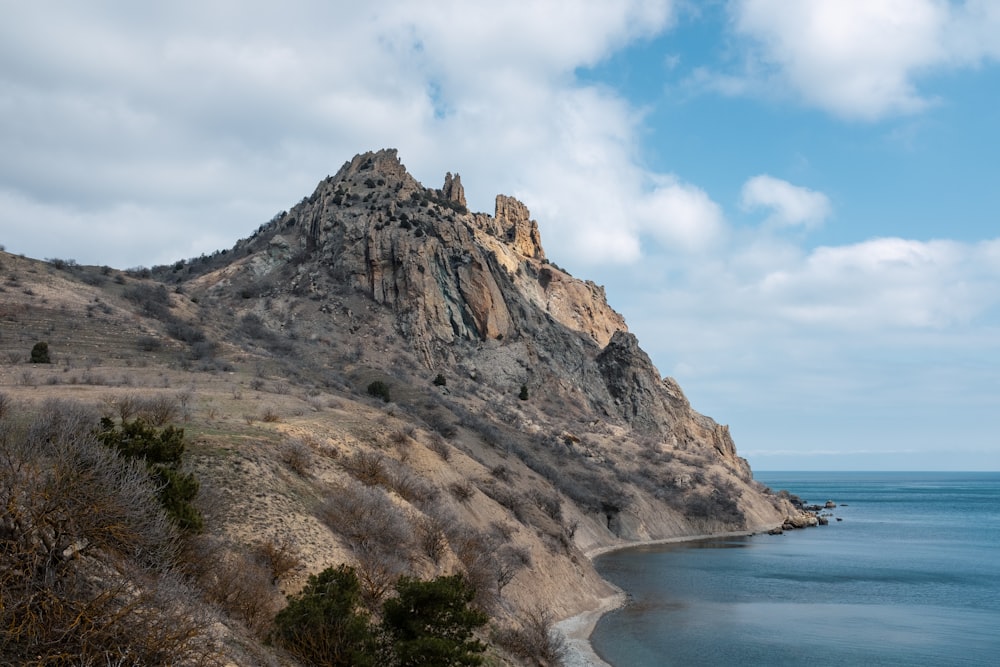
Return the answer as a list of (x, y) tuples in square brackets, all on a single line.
[(380, 377)]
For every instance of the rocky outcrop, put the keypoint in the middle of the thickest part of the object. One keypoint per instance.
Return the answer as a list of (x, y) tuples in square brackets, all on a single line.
[(453, 190), (513, 223), (631, 380)]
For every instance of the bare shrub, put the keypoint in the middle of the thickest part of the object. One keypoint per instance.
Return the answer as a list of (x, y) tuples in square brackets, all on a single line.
[(378, 570), (548, 502), (369, 468), (506, 497), (297, 456), (121, 405), (242, 587), (379, 533), (439, 421), (440, 447), (473, 549), (86, 551), (402, 442), (508, 560), (279, 556), (158, 409), (534, 639), (5, 404), (270, 416), (412, 488), (366, 516), (461, 491), (148, 344), (432, 538)]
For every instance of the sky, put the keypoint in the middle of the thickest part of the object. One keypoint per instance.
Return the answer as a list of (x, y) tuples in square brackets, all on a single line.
[(794, 203)]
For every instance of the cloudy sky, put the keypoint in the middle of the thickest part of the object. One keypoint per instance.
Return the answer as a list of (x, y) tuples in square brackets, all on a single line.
[(794, 203)]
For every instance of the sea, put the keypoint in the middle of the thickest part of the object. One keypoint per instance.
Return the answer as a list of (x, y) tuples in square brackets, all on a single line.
[(906, 573)]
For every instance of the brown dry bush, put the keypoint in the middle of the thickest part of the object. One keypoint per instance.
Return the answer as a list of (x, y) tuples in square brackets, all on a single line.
[(87, 552), (158, 410), (379, 534), (533, 640), (279, 556), (440, 447), (473, 549), (507, 497), (461, 491), (298, 456), (369, 468), (412, 488), (242, 587), (432, 538)]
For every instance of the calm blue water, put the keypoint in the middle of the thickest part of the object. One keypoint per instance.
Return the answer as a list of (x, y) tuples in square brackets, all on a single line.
[(910, 576)]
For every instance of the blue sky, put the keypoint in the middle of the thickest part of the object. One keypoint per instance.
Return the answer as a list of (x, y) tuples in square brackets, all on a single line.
[(793, 202)]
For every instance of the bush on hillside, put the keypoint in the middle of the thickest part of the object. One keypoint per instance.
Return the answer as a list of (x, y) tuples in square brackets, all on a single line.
[(161, 451), (379, 389), (40, 353), (324, 624), (86, 550), (432, 622)]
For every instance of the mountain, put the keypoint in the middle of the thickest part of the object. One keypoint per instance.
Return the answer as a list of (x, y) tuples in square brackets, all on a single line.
[(378, 350)]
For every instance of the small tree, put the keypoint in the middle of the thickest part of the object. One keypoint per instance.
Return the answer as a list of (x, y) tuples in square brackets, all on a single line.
[(440, 381), (431, 622), (379, 389), (40, 353), (523, 395), (323, 625)]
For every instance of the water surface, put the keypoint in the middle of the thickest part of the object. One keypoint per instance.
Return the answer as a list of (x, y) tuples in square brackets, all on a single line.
[(910, 576)]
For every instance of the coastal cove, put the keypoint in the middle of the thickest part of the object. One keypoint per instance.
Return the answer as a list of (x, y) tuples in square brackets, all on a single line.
[(908, 577)]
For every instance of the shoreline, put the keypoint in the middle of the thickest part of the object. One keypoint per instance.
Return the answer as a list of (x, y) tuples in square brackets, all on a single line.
[(576, 629)]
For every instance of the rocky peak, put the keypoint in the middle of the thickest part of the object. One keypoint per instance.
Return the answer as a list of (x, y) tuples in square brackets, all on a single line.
[(447, 273), (514, 224), (453, 190)]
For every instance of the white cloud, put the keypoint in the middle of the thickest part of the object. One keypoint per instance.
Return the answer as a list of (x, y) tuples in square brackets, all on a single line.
[(789, 205), (888, 283), (860, 59), (194, 107), (680, 216)]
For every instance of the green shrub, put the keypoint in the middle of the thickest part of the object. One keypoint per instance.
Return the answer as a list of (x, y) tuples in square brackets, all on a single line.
[(40, 353), (440, 381), (431, 622), (523, 395), (379, 389), (323, 625), (162, 452)]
